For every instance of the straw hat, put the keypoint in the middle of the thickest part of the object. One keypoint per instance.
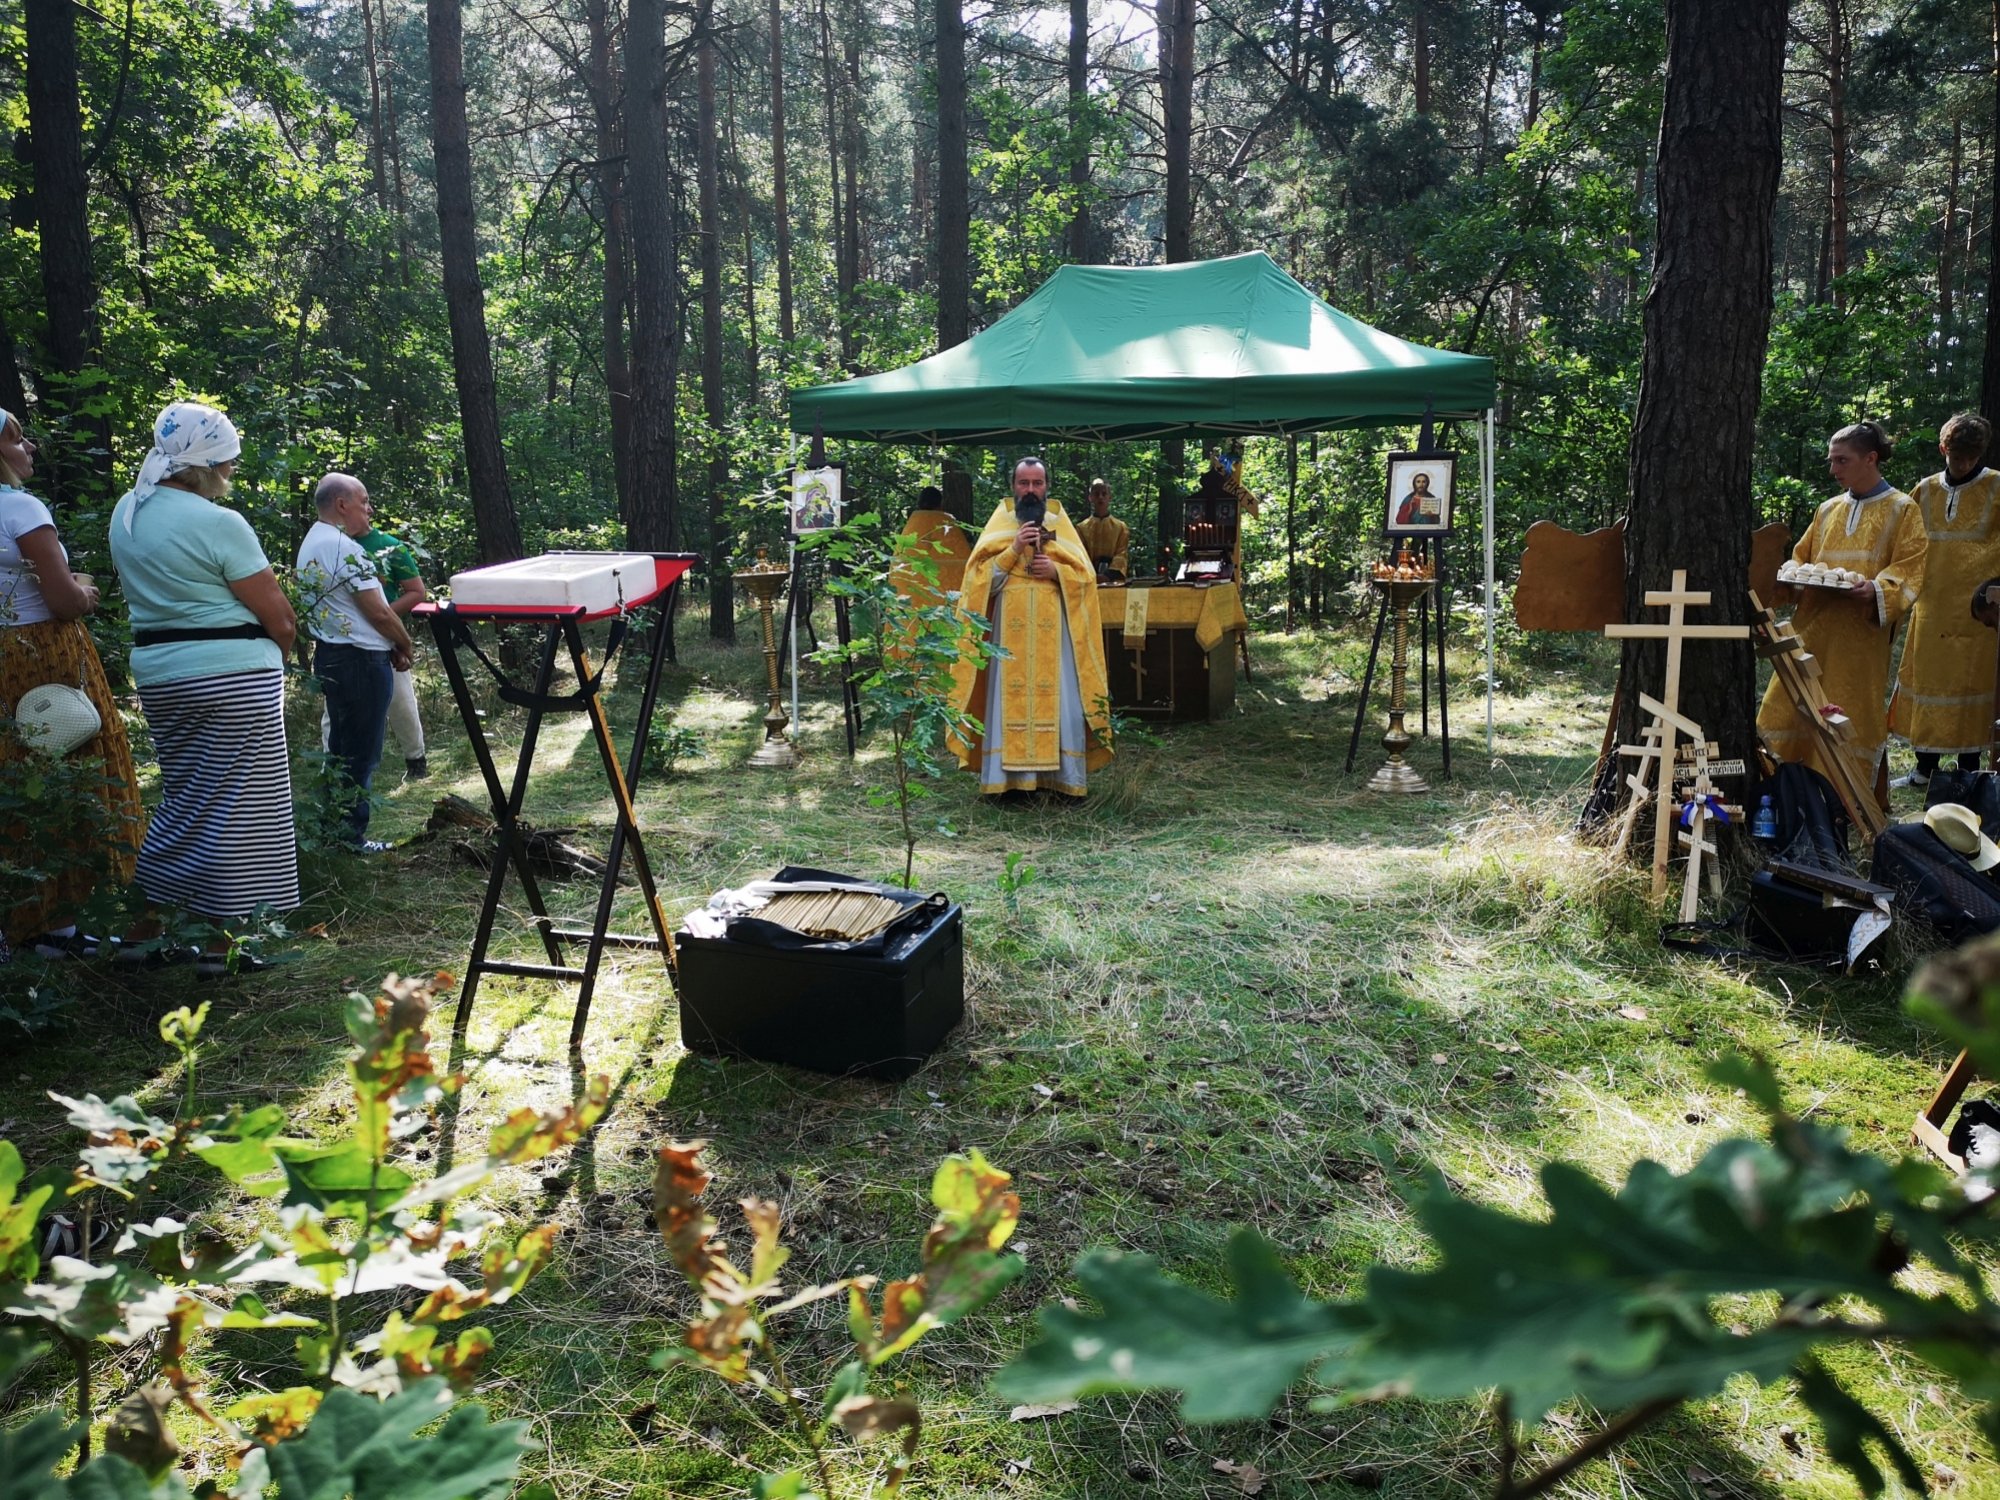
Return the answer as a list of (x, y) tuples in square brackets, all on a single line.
[(1959, 827)]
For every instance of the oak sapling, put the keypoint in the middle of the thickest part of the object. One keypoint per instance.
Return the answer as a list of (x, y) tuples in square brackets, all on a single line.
[(910, 637), (355, 1221), (963, 1264)]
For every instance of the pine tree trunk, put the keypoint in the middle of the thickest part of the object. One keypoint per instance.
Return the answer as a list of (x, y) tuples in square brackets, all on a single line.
[(493, 519), (378, 154), (843, 273), (62, 198), (653, 523), (392, 141), (1989, 368), (1707, 320), (708, 173), (1420, 49), (1534, 109), (1176, 18), (746, 209), (1494, 54), (781, 216), (1079, 129), (610, 176), (850, 167), (954, 191), (1839, 47), (1946, 232)]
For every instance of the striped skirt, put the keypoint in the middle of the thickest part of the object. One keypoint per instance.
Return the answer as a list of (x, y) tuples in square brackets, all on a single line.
[(221, 842)]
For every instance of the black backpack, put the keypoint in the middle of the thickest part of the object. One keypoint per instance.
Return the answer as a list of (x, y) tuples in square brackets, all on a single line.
[(1934, 884), (1813, 826)]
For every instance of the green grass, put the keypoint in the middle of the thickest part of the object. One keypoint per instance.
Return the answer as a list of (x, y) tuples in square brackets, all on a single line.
[(1241, 990)]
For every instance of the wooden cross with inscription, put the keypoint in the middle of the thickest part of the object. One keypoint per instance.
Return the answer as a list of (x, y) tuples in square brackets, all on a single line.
[(1704, 798), (1676, 632)]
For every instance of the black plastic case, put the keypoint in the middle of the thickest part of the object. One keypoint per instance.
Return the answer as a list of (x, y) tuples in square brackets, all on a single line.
[(831, 1012)]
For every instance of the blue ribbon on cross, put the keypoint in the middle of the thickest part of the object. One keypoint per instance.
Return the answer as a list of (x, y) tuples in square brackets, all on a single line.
[(1715, 809)]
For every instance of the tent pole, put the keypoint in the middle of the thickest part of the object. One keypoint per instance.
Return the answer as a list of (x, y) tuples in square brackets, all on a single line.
[(792, 611), (1486, 460)]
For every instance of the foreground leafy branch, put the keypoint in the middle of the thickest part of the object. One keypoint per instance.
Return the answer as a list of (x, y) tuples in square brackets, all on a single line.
[(349, 1220), (963, 1265), (1610, 1298)]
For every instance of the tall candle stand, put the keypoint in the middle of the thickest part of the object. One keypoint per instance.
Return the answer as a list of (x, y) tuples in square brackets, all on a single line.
[(764, 581), (1397, 775)]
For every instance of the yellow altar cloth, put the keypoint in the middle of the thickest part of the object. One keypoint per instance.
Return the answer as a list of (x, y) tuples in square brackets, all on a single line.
[(1214, 610)]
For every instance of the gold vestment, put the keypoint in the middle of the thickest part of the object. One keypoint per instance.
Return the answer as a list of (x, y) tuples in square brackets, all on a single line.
[(1944, 689), (1031, 630), (1881, 538), (1108, 540)]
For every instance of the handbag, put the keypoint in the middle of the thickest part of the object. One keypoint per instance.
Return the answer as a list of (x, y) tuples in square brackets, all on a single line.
[(55, 718)]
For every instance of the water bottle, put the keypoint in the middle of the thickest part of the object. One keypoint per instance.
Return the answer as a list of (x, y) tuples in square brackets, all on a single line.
[(1765, 824)]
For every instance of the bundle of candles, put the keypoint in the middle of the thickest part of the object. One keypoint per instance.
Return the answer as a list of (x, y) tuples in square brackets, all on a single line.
[(1407, 566), (1203, 535), (846, 915)]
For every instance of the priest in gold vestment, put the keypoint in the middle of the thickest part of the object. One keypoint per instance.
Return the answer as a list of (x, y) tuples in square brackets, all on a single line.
[(1107, 539), (1873, 529), (1944, 690), (1045, 705)]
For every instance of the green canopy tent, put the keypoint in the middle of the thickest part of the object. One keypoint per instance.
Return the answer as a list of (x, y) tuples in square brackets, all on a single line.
[(1117, 353)]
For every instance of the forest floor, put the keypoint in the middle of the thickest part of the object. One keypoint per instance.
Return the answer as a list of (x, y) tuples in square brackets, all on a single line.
[(1239, 989)]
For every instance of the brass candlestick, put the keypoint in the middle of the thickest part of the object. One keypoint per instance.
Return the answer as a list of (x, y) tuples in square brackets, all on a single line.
[(764, 582), (1396, 775)]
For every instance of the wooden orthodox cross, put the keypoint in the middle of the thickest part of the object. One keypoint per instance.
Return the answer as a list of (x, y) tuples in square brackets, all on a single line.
[(1703, 800), (1666, 709)]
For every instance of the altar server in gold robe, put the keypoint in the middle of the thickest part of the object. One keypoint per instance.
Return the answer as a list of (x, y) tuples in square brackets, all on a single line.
[(1873, 529), (1107, 539), (1944, 691), (1045, 707)]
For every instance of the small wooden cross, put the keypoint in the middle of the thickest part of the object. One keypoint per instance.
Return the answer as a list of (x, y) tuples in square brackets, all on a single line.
[(1676, 632), (1695, 839)]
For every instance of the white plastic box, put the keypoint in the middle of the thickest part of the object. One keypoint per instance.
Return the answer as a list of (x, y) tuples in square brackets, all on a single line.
[(597, 582)]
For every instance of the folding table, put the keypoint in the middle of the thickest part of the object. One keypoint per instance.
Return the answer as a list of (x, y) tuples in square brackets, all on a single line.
[(452, 626)]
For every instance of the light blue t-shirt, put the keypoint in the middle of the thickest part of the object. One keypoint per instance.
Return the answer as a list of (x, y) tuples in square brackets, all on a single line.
[(176, 565)]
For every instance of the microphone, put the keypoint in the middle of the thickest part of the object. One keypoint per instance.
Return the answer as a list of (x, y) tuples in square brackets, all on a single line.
[(1032, 510)]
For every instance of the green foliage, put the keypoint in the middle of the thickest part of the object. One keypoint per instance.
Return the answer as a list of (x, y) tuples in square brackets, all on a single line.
[(350, 1222), (667, 744), (964, 1264), (1630, 1301), (1015, 876), (910, 638), (357, 1448)]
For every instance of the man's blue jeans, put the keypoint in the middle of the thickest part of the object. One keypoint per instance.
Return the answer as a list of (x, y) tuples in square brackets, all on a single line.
[(357, 684)]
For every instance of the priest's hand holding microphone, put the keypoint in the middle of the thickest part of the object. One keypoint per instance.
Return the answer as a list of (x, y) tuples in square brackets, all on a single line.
[(1031, 509)]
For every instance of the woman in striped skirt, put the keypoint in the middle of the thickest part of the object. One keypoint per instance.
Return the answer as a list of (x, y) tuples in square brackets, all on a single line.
[(210, 628)]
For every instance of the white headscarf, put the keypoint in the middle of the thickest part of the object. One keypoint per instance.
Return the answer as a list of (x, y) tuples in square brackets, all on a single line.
[(187, 435)]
